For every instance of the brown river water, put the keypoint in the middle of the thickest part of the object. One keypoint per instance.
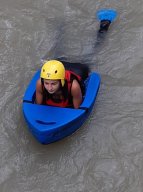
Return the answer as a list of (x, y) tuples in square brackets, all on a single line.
[(106, 153)]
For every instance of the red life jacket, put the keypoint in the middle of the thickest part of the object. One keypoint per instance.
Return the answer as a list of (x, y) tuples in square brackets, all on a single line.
[(65, 102)]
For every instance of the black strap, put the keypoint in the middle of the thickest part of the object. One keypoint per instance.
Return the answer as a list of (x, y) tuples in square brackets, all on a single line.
[(27, 101)]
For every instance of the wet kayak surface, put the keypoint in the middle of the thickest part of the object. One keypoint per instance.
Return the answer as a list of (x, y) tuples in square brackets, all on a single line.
[(105, 154)]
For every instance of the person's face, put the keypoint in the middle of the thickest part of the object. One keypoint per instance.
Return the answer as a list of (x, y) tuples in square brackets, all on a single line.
[(52, 85)]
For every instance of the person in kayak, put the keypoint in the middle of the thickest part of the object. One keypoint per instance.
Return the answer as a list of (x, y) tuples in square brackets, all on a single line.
[(58, 87)]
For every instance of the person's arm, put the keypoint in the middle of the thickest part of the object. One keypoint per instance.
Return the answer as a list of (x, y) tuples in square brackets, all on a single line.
[(39, 92), (76, 94)]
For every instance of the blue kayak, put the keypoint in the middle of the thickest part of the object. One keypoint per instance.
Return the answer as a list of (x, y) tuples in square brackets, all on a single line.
[(49, 124)]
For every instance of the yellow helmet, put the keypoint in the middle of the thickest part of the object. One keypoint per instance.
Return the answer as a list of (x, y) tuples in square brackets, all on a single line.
[(53, 70)]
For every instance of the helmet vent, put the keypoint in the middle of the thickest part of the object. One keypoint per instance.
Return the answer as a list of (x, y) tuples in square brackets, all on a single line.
[(56, 71)]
